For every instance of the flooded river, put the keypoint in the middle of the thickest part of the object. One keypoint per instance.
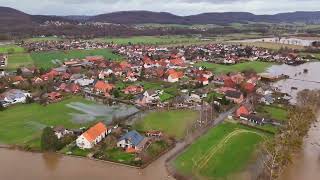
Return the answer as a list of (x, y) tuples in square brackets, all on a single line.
[(306, 165), (18, 165), (299, 80), (284, 40)]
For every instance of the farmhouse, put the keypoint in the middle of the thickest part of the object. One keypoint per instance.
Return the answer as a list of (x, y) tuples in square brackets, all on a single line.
[(253, 119), (92, 136), (132, 141)]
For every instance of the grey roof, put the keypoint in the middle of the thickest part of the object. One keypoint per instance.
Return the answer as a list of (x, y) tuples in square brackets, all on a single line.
[(133, 136), (14, 94), (233, 94)]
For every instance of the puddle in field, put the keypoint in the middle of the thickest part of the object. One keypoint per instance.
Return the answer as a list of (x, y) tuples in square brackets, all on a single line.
[(105, 113)]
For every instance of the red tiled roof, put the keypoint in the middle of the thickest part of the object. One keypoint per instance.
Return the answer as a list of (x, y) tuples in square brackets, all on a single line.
[(103, 86), (242, 111), (95, 131), (175, 74)]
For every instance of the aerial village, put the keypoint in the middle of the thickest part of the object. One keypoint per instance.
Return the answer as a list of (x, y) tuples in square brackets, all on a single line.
[(149, 78)]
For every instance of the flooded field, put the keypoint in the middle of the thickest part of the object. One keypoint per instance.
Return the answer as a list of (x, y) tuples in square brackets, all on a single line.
[(291, 41), (299, 80), (106, 113)]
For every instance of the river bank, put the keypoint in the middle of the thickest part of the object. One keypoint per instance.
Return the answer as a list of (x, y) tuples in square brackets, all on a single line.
[(306, 164)]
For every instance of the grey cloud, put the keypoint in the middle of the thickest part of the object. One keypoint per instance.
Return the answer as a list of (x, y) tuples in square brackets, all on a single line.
[(180, 7)]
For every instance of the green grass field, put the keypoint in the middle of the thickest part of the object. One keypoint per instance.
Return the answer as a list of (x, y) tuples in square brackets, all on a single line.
[(18, 60), (220, 68), (45, 59), (154, 40), (224, 150), (11, 49), (273, 112), (23, 123), (173, 123)]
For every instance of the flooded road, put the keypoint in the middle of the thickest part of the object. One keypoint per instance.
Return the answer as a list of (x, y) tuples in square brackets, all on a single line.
[(18, 165)]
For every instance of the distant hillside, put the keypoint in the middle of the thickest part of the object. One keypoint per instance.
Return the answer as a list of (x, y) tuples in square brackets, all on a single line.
[(14, 23), (139, 17), (10, 16), (142, 17)]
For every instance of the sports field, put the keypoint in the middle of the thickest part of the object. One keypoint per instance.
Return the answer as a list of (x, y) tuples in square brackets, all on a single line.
[(224, 150), (220, 68), (173, 123), (153, 40)]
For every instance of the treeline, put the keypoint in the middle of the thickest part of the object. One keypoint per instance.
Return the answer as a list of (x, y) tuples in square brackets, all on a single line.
[(93, 31), (280, 150)]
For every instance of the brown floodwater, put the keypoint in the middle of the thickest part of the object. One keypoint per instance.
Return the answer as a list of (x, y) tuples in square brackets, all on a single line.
[(306, 165), (18, 165), (298, 78)]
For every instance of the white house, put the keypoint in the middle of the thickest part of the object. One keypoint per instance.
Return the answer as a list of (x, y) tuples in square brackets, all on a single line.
[(92, 136), (84, 82), (14, 96), (152, 95)]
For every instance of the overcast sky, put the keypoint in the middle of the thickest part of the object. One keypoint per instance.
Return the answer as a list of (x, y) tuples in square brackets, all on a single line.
[(179, 7)]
